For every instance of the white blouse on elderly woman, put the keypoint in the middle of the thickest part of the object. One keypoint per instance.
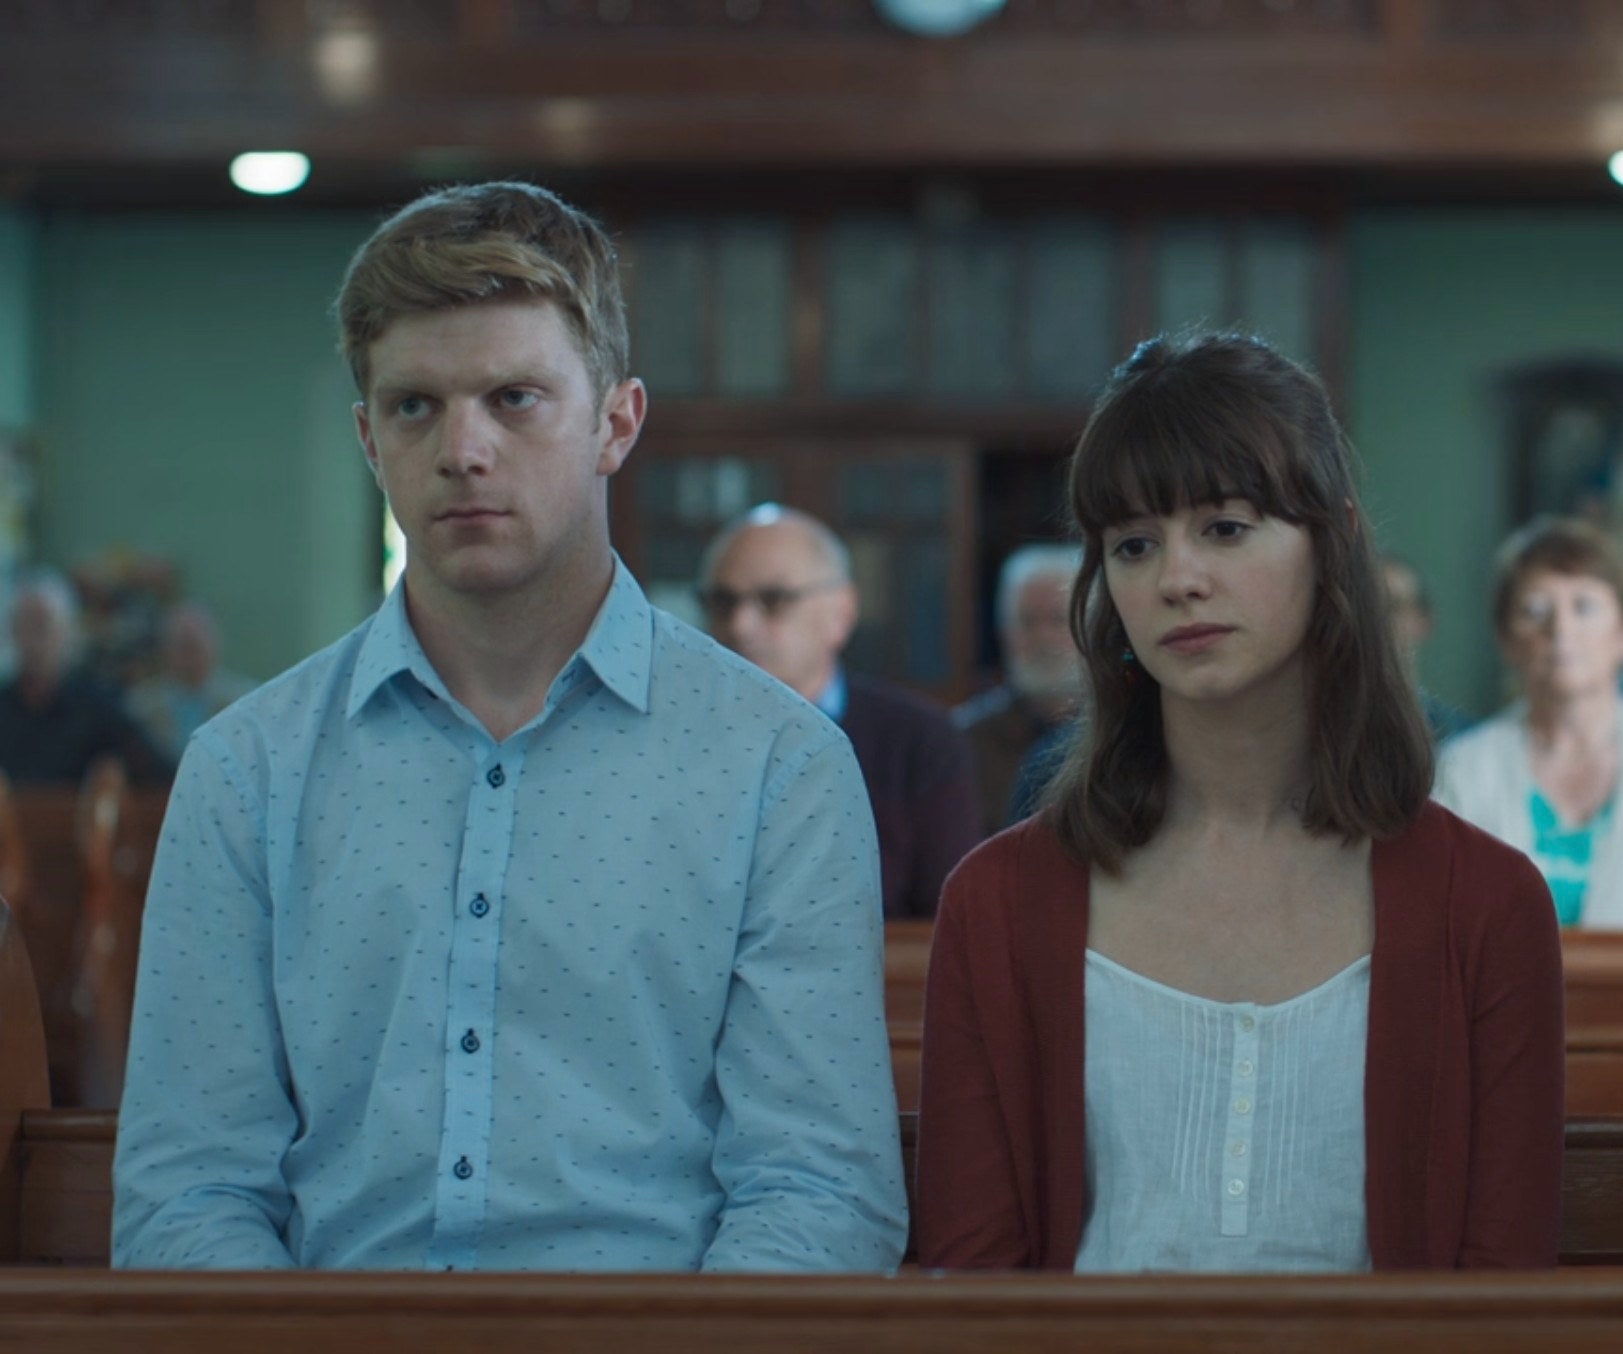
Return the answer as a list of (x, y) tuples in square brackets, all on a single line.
[(1486, 776)]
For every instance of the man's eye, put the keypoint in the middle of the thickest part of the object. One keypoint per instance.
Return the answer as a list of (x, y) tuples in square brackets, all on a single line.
[(517, 399), (410, 407)]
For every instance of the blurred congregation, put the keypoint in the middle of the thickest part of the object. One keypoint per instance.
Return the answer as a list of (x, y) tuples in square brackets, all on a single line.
[(880, 274)]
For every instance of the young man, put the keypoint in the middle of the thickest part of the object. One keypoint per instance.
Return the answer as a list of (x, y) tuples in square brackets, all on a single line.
[(524, 928)]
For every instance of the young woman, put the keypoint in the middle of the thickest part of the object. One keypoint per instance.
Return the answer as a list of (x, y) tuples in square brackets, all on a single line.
[(1544, 774), (1239, 997)]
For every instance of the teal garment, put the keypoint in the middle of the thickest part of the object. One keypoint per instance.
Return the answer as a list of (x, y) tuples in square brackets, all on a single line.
[(1564, 854)]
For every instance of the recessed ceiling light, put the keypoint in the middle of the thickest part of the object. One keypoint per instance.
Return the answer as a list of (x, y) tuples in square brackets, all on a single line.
[(268, 172), (1615, 166)]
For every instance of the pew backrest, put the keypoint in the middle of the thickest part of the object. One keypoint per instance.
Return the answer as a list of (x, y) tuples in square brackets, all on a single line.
[(67, 1171), (24, 1084)]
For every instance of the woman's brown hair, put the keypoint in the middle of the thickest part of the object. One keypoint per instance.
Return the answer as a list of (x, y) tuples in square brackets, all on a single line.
[(1197, 421)]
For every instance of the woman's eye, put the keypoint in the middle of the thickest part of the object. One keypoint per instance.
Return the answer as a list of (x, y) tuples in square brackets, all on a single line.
[(1227, 529), (1534, 610), (1130, 548)]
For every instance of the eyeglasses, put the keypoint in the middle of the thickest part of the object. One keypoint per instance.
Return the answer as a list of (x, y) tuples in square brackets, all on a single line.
[(772, 601)]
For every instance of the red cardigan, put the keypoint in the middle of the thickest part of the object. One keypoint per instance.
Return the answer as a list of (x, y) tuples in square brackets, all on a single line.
[(1463, 1110)]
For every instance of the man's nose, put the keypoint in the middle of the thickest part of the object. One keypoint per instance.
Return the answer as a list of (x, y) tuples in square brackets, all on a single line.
[(465, 446)]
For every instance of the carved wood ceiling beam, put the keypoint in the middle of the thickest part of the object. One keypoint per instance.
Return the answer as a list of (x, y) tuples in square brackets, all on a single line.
[(445, 85)]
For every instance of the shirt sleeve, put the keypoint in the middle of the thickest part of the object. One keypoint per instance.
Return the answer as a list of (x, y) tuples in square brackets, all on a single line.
[(207, 1113), (807, 1148), (1513, 1202)]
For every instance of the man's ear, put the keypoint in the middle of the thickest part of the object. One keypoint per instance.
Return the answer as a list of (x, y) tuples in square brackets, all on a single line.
[(845, 608), (363, 430), (623, 411)]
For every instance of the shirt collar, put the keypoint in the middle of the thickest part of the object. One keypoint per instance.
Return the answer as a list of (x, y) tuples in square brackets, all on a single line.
[(834, 697), (618, 648)]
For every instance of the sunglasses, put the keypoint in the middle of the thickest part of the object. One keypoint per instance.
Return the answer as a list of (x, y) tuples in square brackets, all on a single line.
[(772, 601)]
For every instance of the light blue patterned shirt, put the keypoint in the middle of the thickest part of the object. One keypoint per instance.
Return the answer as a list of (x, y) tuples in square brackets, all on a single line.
[(604, 995)]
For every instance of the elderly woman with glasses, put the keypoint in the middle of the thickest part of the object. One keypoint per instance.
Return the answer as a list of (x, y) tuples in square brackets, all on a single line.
[(1543, 774)]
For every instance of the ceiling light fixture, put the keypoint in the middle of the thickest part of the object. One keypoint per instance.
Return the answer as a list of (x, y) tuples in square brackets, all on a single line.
[(269, 172)]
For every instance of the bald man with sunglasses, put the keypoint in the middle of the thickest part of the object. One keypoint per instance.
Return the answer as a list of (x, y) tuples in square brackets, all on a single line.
[(776, 588)]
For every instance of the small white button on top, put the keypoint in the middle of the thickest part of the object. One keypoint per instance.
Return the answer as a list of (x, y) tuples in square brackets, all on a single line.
[(1248, 1023), (1236, 1188), (1236, 1149), (1242, 1106)]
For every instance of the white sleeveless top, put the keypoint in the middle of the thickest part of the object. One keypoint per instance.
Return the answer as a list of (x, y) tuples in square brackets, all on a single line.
[(1224, 1136)]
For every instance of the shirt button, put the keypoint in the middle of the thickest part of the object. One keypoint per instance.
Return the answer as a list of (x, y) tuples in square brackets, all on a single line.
[(1248, 1023), (496, 777), (470, 1044), (1242, 1106), (463, 1169), (1244, 1067), (1236, 1149), (479, 906), (1236, 1188)]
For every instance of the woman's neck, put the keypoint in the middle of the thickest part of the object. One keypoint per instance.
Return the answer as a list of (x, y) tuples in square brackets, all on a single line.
[(1573, 723), (1232, 767)]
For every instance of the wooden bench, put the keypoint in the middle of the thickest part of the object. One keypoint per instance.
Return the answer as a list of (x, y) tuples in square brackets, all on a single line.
[(23, 1082), (1593, 965), (1570, 1312), (88, 855), (66, 1172)]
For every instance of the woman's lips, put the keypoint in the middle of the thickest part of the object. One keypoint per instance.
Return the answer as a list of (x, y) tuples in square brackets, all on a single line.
[(1193, 639)]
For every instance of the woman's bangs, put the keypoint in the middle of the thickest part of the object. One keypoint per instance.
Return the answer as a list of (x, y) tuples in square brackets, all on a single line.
[(1162, 469)]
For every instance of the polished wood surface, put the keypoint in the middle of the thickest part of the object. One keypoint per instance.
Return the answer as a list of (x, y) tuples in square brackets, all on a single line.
[(89, 856), (1571, 1312), (24, 1085), (641, 85)]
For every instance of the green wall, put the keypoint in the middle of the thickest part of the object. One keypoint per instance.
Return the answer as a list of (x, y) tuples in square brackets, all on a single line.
[(192, 404), (1443, 302), (16, 319), (180, 373)]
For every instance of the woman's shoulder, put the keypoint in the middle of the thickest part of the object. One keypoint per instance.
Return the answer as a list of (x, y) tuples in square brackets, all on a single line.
[(1492, 739), (1481, 877), (1021, 864)]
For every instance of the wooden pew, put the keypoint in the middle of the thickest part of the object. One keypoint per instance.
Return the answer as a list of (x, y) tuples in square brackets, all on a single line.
[(24, 1085), (314, 1313), (90, 853), (1593, 964), (1594, 1072), (67, 1170), (907, 961)]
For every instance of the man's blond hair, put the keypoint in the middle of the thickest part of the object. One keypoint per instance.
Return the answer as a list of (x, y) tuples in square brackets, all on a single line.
[(481, 242)]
